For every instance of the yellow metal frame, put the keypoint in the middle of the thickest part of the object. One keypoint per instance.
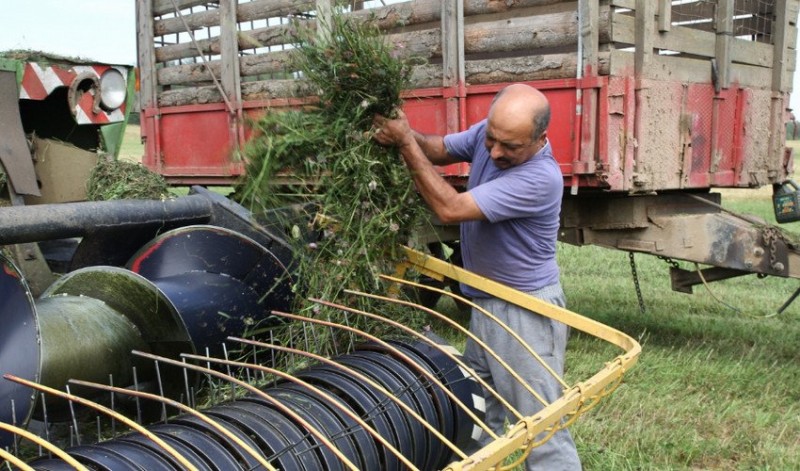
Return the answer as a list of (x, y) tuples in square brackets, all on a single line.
[(576, 399)]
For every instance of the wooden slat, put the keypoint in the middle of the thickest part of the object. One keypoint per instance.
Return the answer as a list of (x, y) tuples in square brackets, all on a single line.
[(162, 7), (146, 52), (528, 68), (229, 49), (682, 69), (590, 31), (724, 33), (246, 12), (694, 42), (779, 65), (664, 15), (643, 35), (706, 9)]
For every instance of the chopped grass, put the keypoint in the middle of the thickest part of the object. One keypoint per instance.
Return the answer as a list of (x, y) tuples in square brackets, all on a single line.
[(123, 179)]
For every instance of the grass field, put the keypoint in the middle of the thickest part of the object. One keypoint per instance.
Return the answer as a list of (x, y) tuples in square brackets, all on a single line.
[(717, 386), (132, 148)]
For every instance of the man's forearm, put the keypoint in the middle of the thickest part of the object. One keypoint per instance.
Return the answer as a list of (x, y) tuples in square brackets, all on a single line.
[(434, 149), (449, 205)]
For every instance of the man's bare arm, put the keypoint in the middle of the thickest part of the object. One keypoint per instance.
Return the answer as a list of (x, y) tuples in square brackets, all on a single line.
[(434, 149)]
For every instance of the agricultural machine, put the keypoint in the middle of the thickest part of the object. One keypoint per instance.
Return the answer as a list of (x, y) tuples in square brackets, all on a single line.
[(656, 104)]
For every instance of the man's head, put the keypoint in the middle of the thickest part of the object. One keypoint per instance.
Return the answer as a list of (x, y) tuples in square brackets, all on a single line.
[(517, 127)]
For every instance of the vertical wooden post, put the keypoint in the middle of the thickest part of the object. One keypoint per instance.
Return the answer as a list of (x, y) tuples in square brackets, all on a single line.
[(779, 81), (645, 29), (642, 59), (779, 57), (229, 51), (453, 64), (664, 15), (590, 45), (724, 27), (229, 70), (148, 87)]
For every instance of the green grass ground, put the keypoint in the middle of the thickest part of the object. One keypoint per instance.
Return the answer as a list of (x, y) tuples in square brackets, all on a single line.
[(717, 386), (132, 148)]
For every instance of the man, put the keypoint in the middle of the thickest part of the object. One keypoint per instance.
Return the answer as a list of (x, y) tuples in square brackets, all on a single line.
[(509, 219)]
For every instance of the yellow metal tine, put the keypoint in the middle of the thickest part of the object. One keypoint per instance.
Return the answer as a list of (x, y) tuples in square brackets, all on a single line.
[(438, 268), (419, 369), (98, 407), (43, 443), (497, 321), (469, 334), (363, 378), (283, 408), (4, 455), (458, 361), (183, 408)]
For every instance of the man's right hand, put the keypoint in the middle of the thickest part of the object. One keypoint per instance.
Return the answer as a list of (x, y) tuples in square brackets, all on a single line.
[(393, 132)]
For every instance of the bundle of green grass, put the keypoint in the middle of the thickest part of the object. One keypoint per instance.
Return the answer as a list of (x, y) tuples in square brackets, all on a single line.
[(120, 179), (326, 159)]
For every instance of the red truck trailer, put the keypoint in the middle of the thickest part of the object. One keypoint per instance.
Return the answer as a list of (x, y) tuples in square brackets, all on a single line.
[(655, 103)]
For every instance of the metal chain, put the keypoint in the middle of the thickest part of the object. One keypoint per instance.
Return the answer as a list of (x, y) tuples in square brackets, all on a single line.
[(672, 263), (636, 283), (771, 236)]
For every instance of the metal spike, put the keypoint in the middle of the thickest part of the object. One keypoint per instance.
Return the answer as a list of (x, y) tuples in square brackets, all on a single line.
[(113, 403), (161, 391), (189, 396), (74, 419), (136, 399)]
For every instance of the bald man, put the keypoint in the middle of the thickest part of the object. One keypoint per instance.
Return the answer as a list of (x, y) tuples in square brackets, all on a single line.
[(509, 219)]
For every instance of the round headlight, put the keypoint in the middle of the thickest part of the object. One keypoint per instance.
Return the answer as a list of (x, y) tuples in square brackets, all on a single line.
[(112, 89)]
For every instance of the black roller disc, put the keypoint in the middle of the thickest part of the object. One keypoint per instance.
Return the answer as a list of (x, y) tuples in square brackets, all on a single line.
[(413, 386), (248, 460), (412, 380), (145, 457), (377, 373), (214, 454), (387, 421), (320, 418), (459, 381), (102, 459), (183, 450), (441, 400), (51, 464), (418, 385), (19, 348), (270, 440), (302, 442), (216, 250), (364, 442)]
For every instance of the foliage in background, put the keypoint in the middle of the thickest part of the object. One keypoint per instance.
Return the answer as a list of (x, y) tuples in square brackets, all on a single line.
[(122, 179), (364, 202)]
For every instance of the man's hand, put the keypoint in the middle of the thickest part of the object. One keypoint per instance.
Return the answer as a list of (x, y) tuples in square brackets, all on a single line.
[(393, 132)]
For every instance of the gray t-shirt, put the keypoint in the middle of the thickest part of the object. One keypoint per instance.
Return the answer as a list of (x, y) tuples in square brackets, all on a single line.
[(517, 245)]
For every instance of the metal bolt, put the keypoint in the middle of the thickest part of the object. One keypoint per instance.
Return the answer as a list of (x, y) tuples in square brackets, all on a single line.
[(758, 251), (778, 266)]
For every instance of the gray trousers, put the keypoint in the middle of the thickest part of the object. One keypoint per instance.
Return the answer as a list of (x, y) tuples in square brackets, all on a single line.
[(549, 339)]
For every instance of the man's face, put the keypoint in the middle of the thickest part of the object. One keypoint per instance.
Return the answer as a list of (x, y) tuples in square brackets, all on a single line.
[(511, 144)]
